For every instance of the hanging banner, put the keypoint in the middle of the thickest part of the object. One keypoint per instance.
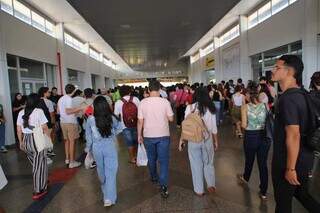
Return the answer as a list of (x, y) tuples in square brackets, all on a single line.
[(210, 62)]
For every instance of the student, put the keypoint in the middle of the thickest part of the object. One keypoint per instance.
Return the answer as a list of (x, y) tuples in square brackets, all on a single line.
[(201, 155), (237, 101), (292, 160), (154, 114), (69, 125), (126, 108), (17, 105), (253, 120), (29, 118), (101, 131), (2, 131)]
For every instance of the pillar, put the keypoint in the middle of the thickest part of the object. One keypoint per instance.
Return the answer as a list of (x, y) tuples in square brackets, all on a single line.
[(245, 65)]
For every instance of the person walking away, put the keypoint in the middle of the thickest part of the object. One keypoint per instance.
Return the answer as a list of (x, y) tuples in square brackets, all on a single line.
[(238, 100), (101, 130), (127, 109), (201, 154), (292, 159), (253, 120), (17, 105), (154, 115), (2, 131), (29, 118), (104, 93), (69, 125), (181, 98), (217, 99)]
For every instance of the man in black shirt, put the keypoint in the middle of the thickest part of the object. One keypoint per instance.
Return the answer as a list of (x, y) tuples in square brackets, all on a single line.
[(292, 161)]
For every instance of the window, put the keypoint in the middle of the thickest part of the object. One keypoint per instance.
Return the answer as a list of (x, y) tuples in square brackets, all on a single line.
[(208, 49), (6, 5), (253, 20), (38, 21), (31, 69), (73, 42), (94, 54), (114, 66), (264, 12), (107, 62), (292, 1), (49, 28), (22, 12), (230, 35), (194, 58), (278, 5)]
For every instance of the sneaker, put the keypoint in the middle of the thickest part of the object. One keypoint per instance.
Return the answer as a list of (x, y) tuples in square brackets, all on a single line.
[(67, 162), (51, 153), (93, 165), (49, 161), (74, 164), (263, 196), (241, 179), (40, 195), (164, 192), (3, 150), (107, 203)]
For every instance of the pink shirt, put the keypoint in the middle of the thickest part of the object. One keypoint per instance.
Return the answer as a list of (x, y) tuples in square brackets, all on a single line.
[(181, 97), (155, 112)]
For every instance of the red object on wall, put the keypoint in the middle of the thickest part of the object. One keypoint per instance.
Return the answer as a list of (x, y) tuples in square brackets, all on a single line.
[(60, 71)]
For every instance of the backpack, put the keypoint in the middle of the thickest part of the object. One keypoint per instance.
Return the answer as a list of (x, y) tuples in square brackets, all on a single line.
[(193, 128), (129, 113), (312, 137)]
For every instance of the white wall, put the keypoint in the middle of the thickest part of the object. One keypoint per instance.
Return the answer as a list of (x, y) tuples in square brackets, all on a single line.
[(230, 62)]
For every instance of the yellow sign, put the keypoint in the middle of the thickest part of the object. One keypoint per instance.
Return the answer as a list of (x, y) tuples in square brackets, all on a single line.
[(210, 62)]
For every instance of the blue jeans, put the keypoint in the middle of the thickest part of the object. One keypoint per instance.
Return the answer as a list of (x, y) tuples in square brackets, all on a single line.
[(130, 136), (158, 150), (2, 135), (256, 144), (217, 104), (106, 156)]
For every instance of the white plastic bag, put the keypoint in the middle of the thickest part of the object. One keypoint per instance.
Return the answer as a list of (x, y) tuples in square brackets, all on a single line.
[(88, 161), (3, 179), (142, 159)]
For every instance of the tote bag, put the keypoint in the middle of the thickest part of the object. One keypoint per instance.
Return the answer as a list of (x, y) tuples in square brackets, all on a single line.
[(142, 159), (41, 140)]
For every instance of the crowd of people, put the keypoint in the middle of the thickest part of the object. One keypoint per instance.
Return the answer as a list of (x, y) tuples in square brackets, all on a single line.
[(142, 117)]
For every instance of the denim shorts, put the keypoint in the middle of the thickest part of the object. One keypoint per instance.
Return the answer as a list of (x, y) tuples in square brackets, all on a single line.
[(130, 136)]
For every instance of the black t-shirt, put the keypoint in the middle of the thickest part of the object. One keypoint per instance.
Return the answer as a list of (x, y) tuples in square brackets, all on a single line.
[(42, 105), (54, 98), (291, 109)]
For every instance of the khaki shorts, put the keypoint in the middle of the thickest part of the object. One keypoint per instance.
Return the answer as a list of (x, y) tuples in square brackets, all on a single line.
[(70, 131)]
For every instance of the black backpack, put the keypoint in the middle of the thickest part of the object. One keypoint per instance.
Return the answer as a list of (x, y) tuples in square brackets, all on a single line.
[(312, 136)]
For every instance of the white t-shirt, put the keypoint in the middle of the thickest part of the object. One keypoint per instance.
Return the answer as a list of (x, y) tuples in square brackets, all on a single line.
[(118, 107), (49, 104), (36, 118), (209, 119), (163, 94), (64, 103)]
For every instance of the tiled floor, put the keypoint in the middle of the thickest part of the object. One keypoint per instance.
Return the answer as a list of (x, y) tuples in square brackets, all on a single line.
[(135, 192)]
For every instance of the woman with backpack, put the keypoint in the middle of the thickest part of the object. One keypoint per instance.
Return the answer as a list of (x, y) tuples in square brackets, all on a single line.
[(101, 131), (253, 117), (201, 152)]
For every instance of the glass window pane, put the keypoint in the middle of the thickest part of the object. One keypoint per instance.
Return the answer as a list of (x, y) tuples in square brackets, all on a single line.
[(13, 81), (22, 12), (38, 21), (50, 71), (11, 61), (6, 5), (292, 1), (94, 54), (278, 5), (253, 20), (49, 28), (72, 75), (31, 69), (264, 12)]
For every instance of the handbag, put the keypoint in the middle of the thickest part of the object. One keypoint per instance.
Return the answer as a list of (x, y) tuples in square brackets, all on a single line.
[(41, 140)]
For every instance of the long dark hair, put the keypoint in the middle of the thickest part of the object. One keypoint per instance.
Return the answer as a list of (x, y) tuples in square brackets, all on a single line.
[(17, 102), (103, 116), (253, 92), (201, 96), (32, 102)]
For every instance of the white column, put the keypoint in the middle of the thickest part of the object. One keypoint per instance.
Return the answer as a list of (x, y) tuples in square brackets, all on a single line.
[(217, 58), (5, 98), (309, 40), (245, 65), (60, 50), (87, 82)]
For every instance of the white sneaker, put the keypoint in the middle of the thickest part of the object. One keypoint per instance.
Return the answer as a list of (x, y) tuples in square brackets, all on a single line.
[(3, 150), (67, 162), (74, 164), (107, 203), (49, 161)]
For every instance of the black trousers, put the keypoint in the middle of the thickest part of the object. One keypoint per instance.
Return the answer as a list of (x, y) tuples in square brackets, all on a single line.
[(180, 114), (284, 192), (254, 145)]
